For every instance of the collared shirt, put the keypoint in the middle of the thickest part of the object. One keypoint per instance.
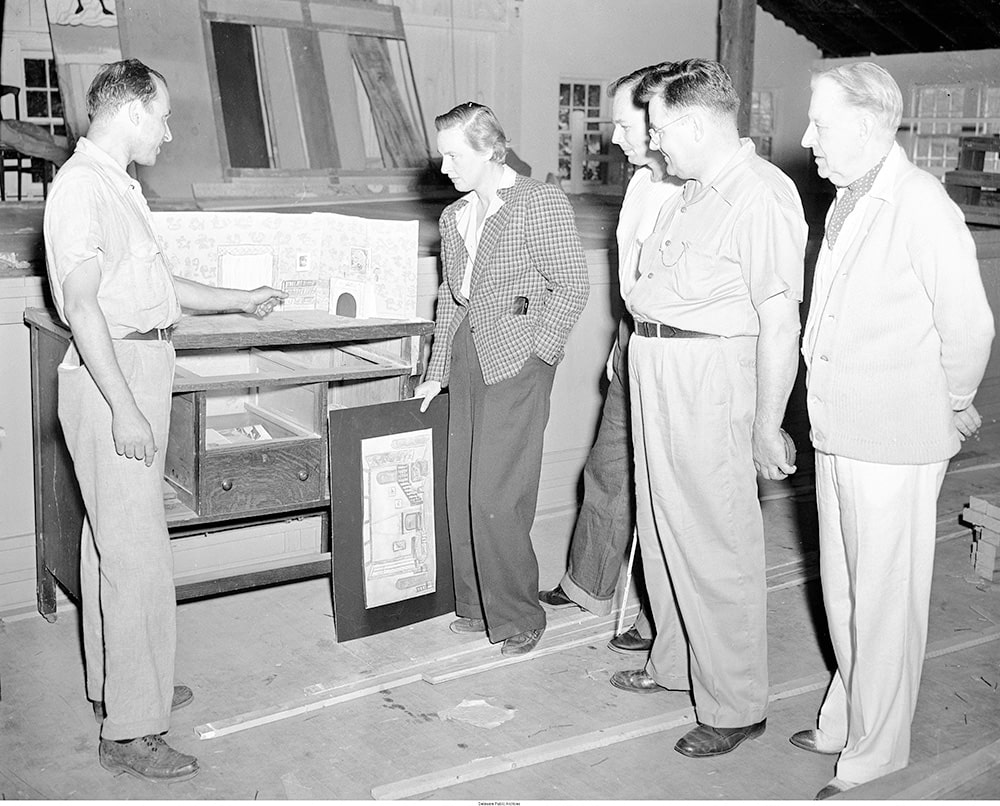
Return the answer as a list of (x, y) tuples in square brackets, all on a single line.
[(719, 251), (644, 197), (95, 210), (471, 230)]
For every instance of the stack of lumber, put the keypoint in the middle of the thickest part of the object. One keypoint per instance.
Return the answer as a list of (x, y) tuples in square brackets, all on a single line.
[(971, 187), (985, 520)]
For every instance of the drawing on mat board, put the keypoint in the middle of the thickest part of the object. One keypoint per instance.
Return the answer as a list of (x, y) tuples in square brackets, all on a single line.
[(398, 525)]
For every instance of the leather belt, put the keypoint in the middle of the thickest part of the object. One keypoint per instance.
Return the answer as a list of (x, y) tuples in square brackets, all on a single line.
[(655, 329), (156, 334)]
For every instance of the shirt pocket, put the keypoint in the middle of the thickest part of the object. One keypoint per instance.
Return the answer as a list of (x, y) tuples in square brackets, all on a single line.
[(702, 274)]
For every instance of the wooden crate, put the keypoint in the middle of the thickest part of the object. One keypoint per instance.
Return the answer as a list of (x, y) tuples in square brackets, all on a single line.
[(972, 188), (985, 521)]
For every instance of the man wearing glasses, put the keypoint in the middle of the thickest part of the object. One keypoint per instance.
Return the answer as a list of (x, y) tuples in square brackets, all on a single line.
[(711, 366)]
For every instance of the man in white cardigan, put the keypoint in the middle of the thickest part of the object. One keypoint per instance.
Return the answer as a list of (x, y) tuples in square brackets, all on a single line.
[(896, 343)]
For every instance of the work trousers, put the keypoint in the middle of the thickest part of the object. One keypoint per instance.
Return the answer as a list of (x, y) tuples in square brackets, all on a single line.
[(495, 435), (877, 525), (126, 566), (604, 527), (699, 521)]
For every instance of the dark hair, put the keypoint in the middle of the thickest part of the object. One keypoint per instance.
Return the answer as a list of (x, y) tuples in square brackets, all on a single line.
[(693, 82), (480, 126), (119, 83), (634, 79)]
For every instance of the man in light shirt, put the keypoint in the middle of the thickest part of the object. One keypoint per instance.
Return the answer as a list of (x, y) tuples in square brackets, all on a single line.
[(896, 343), (111, 285), (711, 366)]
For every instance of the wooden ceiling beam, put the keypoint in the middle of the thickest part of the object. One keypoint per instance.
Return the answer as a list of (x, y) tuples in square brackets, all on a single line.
[(803, 22), (918, 13), (982, 18), (891, 31)]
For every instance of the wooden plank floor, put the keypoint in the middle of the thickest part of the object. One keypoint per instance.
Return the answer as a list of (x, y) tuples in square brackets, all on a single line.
[(268, 647)]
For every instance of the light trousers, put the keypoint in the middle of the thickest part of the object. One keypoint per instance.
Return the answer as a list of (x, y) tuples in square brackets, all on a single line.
[(495, 435), (699, 521), (126, 567), (877, 525)]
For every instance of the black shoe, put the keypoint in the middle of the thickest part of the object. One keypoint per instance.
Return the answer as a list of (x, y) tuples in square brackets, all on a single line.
[(630, 641), (182, 696), (637, 680), (462, 624), (522, 643), (704, 740), (807, 740), (835, 787), (555, 598)]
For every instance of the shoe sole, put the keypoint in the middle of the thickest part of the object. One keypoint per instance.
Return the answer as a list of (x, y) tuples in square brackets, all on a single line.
[(752, 735), (814, 749), (624, 651), (118, 769)]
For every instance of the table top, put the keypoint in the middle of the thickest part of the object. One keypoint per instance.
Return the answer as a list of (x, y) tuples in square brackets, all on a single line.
[(233, 330)]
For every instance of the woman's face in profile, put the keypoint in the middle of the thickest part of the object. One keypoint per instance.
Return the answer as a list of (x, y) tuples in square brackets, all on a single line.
[(460, 162)]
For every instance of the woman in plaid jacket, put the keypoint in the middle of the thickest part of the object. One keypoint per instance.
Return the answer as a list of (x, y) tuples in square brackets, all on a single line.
[(515, 282)]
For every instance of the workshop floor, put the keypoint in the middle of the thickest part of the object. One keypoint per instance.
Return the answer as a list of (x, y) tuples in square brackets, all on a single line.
[(548, 728)]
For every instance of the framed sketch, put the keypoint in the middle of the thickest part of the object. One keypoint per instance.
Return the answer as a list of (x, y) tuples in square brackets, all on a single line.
[(389, 525)]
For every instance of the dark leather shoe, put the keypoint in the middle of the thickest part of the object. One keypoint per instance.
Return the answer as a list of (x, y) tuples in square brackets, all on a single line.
[(182, 696), (704, 740), (807, 740), (835, 787), (636, 680), (462, 624), (148, 758), (522, 643), (630, 641), (555, 598)]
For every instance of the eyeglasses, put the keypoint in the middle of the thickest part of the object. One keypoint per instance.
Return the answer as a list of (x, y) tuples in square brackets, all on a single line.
[(654, 134)]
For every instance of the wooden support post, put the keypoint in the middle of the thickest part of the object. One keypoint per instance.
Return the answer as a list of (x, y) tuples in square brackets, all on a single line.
[(737, 26)]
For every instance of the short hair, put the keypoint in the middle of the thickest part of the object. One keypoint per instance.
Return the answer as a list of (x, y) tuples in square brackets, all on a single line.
[(634, 79), (868, 86), (692, 82), (480, 126), (119, 83)]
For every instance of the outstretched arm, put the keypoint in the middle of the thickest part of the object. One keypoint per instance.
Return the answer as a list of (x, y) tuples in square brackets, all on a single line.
[(195, 296)]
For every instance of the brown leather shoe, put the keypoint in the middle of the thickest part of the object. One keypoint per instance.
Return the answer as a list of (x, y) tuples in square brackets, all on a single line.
[(637, 680), (149, 758), (704, 740), (555, 598), (182, 696), (630, 641), (462, 625), (808, 740), (522, 643)]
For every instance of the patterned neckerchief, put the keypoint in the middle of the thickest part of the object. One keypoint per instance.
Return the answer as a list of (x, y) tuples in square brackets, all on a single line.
[(848, 199)]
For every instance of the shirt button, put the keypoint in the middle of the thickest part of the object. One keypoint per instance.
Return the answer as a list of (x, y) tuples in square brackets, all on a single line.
[(684, 209), (666, 242), (650, 275), (823, 358)]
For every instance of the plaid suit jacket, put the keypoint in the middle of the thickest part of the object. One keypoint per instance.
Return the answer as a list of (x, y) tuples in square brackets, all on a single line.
[(529, 248)]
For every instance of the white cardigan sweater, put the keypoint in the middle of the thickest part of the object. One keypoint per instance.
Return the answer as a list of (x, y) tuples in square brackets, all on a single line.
[(901, 337)]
